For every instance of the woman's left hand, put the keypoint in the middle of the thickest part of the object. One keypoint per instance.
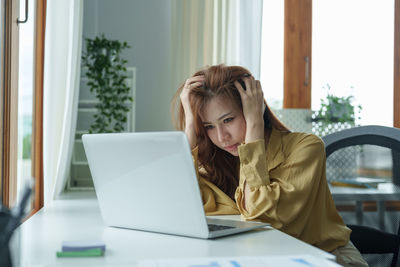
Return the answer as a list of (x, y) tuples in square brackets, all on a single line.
[(253, 108)]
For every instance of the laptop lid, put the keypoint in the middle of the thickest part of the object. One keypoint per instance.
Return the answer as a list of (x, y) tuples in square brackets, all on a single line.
[(147, 181)]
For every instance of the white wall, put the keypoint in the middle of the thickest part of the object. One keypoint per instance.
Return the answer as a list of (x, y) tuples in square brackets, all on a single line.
[(146, 26)]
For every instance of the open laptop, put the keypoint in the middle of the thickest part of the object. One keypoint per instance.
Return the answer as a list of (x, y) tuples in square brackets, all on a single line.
[(147, 181)]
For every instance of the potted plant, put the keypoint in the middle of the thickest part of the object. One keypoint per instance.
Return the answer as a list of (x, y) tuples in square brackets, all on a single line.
[(336, 113), (106, 73)]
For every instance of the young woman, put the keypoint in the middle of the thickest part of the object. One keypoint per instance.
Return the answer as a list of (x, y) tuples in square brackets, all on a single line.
[(249, 163)]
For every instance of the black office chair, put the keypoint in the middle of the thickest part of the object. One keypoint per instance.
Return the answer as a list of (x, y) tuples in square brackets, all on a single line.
[(367, 135), (369, 240)]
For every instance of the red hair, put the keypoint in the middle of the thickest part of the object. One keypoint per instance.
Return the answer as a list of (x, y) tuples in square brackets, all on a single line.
[(221, 167)]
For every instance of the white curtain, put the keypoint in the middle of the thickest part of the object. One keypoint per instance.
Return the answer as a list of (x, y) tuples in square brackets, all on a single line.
[(244, 35), (209, 32), (61, 90)]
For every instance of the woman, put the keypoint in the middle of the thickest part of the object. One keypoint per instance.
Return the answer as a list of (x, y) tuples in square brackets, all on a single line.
[(249, 163)]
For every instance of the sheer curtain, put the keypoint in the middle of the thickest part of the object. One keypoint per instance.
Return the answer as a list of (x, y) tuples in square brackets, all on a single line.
[(213, 32), (244, 35), (61, 91)]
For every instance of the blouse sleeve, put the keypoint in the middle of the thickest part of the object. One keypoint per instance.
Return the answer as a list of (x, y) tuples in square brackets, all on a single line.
[(280, 197)]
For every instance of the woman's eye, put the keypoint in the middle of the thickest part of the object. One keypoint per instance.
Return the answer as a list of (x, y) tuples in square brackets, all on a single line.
[(208, 127), (228, 120)]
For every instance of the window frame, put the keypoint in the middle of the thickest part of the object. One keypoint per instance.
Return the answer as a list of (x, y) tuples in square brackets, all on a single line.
[(297, 54), (9, 104), (37, 122), (396, 67), (298, 36)]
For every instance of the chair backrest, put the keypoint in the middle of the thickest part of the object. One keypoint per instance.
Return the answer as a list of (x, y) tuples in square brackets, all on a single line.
[(363, 135), (366, 239), (367, 135), (369, 240)]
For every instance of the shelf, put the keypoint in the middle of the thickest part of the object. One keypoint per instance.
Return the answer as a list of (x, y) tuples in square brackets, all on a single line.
[(79, 169)]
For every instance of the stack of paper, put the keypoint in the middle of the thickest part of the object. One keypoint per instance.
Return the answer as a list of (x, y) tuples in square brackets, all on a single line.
[(82, 249)]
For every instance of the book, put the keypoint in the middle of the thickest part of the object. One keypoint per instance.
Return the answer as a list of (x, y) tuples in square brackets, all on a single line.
[(96, 252), (82, 245), (82, 248)]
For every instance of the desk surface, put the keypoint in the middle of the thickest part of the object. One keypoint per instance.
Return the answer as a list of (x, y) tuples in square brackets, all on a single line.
[(80, 219)]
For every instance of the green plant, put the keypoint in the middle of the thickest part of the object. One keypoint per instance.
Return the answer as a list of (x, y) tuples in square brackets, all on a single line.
[(27, 146), (106, 73), (337, 109)]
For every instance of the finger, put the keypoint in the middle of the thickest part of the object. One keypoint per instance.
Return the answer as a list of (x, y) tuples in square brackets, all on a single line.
[(258, 85), (253, 84), (260, 91), (194, 79), (239, 88), (193, 85), (247, 82)]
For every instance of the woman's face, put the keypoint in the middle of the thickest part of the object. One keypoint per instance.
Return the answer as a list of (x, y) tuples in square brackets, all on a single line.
[(224, 123)]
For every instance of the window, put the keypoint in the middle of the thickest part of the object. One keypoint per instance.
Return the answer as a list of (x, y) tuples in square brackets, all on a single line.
[(25, 96), (355, 51), (272, 52), (352, 51), (8, 103), (21, 110), (2, 76)]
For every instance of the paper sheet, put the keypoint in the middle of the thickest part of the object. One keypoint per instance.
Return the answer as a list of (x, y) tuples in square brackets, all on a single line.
[(265, 261)]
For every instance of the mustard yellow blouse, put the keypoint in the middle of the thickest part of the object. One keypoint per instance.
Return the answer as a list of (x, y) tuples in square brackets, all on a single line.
[(288, 186)]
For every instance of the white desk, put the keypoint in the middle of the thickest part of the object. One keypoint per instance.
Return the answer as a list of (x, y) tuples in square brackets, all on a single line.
[(384, 192), (79, 219)]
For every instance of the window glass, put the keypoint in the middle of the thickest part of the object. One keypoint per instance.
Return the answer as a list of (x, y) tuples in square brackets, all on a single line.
[(2, 4), (272, 52), (352, 53), (25, 95)]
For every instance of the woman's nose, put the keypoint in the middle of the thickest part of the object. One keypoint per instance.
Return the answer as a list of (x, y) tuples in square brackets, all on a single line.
[(223, 134)]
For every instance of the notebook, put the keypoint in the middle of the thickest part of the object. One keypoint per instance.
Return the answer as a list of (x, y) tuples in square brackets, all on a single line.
[(147, 181)]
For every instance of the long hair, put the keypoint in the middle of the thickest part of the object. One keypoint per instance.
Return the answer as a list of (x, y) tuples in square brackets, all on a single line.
[(221, 167)]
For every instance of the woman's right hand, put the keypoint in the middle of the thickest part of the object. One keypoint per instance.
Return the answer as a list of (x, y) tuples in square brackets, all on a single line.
[(190, 84)]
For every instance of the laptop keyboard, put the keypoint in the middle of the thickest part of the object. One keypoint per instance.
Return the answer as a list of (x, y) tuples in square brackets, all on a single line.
[(216, 227)]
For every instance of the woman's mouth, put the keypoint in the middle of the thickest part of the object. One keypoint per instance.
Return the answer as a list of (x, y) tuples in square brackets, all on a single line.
[(231, 148)]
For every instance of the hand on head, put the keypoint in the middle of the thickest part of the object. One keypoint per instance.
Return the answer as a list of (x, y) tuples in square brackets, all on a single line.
[(190, 84), (253, 107)]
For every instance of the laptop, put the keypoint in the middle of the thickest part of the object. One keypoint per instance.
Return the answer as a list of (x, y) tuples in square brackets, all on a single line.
[(147, 181)]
